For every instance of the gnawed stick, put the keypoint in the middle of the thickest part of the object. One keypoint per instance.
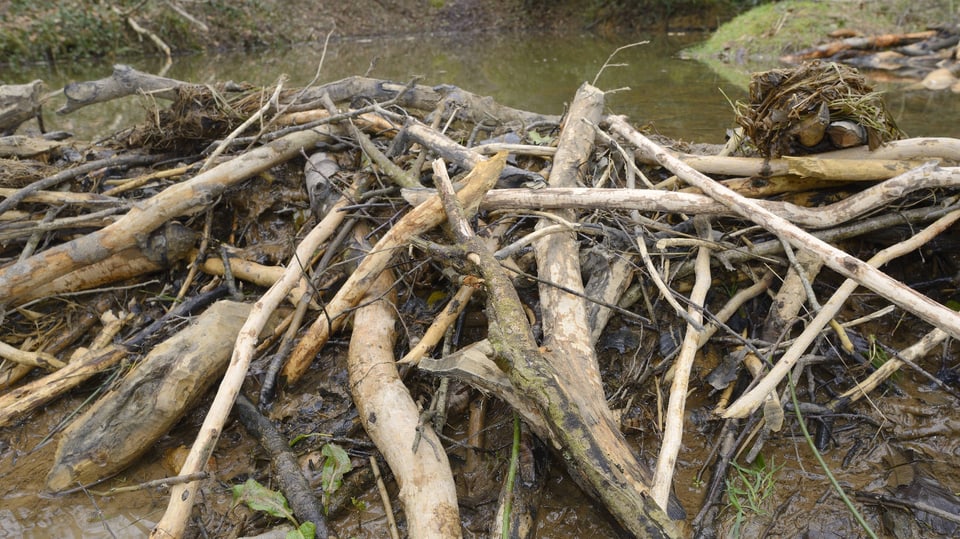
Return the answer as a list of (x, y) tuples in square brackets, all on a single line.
[(391, 417), (286, 469), (418, 221), (748, 402), (444, 320), (673, 425), (123, 82), (17, 279), (569, 414), (837, 260), (129, 419), (161, 249), (877, 377), (854, 206), (174, 520), (103, 357)]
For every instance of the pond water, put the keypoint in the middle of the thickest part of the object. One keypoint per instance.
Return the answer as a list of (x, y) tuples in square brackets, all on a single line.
[(651, 84)]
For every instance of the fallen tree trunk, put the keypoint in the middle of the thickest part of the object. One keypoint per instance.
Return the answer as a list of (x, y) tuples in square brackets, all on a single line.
[(126, 421)]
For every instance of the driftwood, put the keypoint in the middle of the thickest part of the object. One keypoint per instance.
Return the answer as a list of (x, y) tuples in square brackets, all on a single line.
[(928, 56), (555, 384), (842, 263), (127, 81), (127, 420), (19, 103), (873, 198), (418, 221), (391, 418), (159, 250), (573, 418), (183, 198), (182, 497), (863, 43), (292, 482)]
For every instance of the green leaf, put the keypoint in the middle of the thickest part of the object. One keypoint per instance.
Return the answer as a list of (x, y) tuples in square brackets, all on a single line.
[(307, 530), (537, 138), (260, 498), (335, 466)]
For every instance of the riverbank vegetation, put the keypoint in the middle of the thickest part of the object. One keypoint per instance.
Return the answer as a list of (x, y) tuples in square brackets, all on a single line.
[(60, 31)]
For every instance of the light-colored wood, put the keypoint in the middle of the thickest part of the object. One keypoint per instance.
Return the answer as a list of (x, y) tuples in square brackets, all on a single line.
[(392, 419), (837, 260)]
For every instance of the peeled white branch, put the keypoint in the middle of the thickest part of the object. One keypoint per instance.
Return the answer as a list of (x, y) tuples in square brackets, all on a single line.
[(837, 260)]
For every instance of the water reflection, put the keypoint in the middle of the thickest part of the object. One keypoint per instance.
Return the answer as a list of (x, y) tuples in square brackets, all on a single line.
[(681, 98)]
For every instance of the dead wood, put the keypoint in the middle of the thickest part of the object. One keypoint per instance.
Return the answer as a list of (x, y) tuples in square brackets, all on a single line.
[(866, 168), (174, 520), (465, 105), (22, 146), (159, 250), (913, 148), (179, 199), (14, 373), (848, 266), (585, 253), (831, 215), (673, 424), (128, 419), (833, 48), (575, 421), (19, 103), (101, 357), (419, 220), (123, 82), (131, 160), (292, 482), (392, 419), (750, 400)]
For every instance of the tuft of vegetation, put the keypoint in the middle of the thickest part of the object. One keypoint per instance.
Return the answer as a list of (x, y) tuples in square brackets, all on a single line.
[(749, 489)]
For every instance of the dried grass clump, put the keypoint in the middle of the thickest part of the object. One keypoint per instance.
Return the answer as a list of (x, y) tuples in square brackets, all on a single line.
[(791, 110)]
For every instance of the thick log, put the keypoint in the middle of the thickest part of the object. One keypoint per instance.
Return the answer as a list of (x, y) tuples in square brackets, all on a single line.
[(128, 419), (392, 419)]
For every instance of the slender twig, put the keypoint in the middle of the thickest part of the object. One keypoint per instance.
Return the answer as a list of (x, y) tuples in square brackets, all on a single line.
[(511, 478), (823, 464)]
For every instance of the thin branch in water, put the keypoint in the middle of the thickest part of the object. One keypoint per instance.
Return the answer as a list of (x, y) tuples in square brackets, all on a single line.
[(607, 63)]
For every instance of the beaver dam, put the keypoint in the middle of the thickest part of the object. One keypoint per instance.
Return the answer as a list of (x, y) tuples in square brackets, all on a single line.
[(370, 307)]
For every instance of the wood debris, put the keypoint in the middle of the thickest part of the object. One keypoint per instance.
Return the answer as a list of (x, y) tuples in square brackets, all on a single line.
[(334, 210)]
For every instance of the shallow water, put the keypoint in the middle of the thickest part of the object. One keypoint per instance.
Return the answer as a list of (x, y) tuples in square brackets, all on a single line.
[(649, 83)]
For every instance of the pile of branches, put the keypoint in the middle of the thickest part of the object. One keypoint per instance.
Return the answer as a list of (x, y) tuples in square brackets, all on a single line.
[(931, 56), (562, 230), (812, 108)]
